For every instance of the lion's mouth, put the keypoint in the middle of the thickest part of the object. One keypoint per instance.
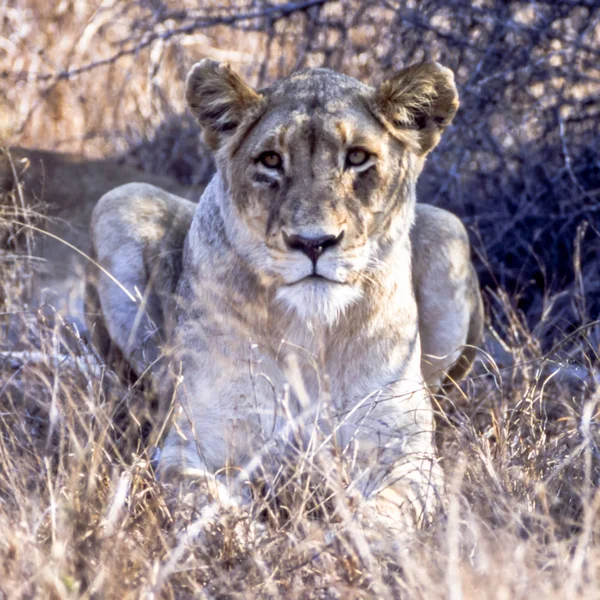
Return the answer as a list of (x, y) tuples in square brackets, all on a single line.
[(316, 278)]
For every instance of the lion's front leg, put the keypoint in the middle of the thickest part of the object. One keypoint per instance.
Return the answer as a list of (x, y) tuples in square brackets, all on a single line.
[(209, 506), (397, 468), (222, 414), (201, 461)]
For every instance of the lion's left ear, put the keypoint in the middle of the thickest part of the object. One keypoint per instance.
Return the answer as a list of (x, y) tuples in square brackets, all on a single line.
[(422, 97)]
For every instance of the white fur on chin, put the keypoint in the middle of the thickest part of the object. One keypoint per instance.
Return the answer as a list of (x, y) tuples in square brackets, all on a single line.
[(319, 299)]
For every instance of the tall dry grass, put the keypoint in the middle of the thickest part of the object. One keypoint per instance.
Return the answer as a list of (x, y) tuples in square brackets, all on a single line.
[(81, 514)]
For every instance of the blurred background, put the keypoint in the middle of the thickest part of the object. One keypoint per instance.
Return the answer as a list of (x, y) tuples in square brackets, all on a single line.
[(520, 165)]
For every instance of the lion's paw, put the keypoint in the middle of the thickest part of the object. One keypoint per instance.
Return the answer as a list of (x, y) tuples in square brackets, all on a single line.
[(204, 511)]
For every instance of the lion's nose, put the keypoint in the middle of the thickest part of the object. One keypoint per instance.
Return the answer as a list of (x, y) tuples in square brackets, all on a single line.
[(313, 247)]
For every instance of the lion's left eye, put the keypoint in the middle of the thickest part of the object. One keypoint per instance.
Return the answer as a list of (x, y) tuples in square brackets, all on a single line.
[(357, 157)]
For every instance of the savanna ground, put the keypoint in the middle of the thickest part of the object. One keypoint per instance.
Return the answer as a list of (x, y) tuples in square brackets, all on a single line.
[(81, 514)]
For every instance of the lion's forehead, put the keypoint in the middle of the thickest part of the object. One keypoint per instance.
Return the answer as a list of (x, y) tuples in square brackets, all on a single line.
[(318, 108), (319, 87), (298, 128)]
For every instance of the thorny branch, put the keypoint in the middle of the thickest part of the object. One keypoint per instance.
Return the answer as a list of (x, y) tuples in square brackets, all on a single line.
[(271, 14)]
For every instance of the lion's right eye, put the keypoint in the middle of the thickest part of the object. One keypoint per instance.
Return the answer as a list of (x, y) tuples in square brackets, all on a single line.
[(271, 160)]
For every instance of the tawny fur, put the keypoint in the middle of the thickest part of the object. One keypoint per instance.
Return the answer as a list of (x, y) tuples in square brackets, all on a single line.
[(350, 352)]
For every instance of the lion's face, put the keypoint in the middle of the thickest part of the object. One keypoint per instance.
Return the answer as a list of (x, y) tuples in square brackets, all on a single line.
[(320, 172)]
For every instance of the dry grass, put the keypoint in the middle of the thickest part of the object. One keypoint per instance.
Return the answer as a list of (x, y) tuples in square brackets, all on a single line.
[(81, 514)]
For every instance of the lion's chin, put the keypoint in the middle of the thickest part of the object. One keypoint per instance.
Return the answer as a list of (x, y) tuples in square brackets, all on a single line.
[(318, 299)]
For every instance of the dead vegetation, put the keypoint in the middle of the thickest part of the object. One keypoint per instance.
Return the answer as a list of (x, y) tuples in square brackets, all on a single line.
[(81, 514)]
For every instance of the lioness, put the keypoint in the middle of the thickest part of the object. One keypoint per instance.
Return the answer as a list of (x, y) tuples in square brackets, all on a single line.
[(306, 286)]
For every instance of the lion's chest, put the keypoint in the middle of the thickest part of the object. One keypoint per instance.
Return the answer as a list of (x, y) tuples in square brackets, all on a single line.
[(309, 384)]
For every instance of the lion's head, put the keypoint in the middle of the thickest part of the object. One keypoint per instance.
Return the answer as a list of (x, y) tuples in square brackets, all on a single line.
[(319, 171)]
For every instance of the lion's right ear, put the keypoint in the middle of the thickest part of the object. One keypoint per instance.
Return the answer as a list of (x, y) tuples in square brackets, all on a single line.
[(220, 99)]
